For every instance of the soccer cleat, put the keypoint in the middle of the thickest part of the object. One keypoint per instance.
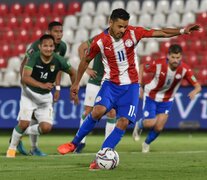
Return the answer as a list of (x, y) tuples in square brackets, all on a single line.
[(66, 148), (136, 132), (11, 153), (94, 166), (145, 147), (80, 147), (21, 149), (37, 152)]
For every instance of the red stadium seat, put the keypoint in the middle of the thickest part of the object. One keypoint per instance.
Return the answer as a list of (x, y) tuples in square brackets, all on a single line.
[(41, 22), (12, 22), (19, 49), (59, 9), (36, 34), (4, 10), (195, 45), (164, 47), (202, 76), (6, 51), (23, 36), (2, 22), (56, 18), (44, 9), (8, 35), (202, 18), (16, 9), (27, 22), (30, 9), (181, 42), (190, 57), (74, 7)]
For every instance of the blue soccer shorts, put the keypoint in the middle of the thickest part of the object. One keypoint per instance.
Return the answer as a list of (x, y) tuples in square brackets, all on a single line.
[(123, 98), (151, 108)]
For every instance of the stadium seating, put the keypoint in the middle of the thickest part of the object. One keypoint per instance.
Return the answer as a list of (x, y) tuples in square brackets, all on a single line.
[(173, 20), (133, 7), (45, 9), (16, 9), (88, 7), (3, 9), (163, 6), (177, 6), (30, 9), (99, 21), (73, 8), (117, 4), (188, 18), (191, 6), (203, 6), (145, 20), (103, 7), (158, 20), (70, 22), (85, 21), (148, 6), (58, 9)]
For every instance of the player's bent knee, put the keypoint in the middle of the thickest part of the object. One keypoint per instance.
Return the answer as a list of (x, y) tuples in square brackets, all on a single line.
[(23, 124), (122, 123), (98, 112), (45, 128)]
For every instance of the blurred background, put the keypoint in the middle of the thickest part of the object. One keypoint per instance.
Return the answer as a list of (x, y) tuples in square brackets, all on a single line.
[(24, 21)]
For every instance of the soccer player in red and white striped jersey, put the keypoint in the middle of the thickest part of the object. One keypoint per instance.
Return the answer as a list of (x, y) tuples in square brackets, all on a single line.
[(160, 91), (120, 88)]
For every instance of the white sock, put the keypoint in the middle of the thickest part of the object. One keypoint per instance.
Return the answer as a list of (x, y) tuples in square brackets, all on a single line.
[(33, 138), (109, 128), (34, 129), (15, 139)]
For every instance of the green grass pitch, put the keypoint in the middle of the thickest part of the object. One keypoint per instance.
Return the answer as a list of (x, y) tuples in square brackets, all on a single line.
[(173, 156)]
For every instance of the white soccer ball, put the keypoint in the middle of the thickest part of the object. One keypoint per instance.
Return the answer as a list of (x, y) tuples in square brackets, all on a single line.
[(107, 158)]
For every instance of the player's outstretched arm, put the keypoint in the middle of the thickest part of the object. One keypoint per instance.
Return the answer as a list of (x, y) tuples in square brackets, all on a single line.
[(196, 90), (170, 32)]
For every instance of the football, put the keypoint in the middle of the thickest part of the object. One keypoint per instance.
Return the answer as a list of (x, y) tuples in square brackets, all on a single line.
[(107, 158)]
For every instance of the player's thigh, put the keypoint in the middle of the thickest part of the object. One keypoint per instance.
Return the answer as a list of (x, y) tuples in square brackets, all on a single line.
[(44, 111), (90, 94), (27, 107), (127, 103)]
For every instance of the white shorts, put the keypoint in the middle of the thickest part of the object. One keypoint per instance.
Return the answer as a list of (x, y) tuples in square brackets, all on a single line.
[(39, 104), (91, 93)]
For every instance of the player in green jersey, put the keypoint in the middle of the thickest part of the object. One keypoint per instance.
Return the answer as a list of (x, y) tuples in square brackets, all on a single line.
[(92, 88), (56, 30), (38, 78)]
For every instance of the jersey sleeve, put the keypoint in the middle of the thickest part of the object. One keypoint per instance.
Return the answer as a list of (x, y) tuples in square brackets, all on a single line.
[(189, 76), (33, 48), (65, 65), (150, 67), (30, 63), (141, 32), (93, 49)]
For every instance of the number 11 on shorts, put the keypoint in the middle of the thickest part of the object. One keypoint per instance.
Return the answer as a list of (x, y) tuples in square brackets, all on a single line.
[(131, 111)]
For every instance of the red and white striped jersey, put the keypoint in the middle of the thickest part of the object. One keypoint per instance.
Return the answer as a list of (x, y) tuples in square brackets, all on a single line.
[(166, 82), (119, 57)]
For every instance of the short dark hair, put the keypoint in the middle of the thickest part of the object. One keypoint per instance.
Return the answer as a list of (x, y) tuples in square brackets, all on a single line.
[(119, 14), (175, 48), (46, 36), (54, 23)]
